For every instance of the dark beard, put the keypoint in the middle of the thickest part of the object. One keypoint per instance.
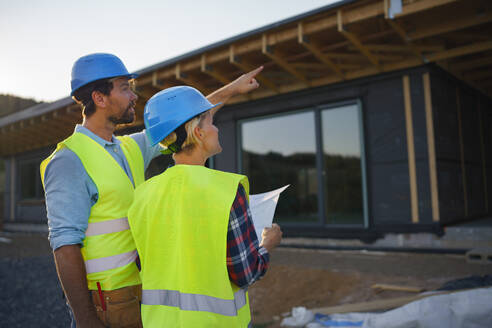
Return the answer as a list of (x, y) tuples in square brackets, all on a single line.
[(127, 117)]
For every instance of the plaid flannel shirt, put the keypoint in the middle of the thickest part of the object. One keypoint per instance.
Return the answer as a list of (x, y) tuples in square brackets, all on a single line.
[(247, 262)]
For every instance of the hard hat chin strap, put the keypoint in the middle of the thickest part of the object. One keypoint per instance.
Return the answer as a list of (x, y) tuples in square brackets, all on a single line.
[(181, 138)]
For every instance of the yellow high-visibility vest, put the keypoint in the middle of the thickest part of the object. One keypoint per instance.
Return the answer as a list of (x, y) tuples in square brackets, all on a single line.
[(108, 250), (179, 221)]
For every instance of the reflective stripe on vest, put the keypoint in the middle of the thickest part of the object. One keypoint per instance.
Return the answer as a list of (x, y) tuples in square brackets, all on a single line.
[(100, 228), (195, 302), (110, 262)]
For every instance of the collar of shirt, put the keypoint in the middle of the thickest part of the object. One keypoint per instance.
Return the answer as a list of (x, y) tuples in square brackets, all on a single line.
[(95, 137)]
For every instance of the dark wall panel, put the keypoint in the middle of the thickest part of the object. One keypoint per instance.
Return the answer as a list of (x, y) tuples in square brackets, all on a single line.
[(387, 155), (390, 194), (227, 160), (385, 122), (423, 191), (475, 190), (445, 119), (451, 201), (472, 152), (419, 118)]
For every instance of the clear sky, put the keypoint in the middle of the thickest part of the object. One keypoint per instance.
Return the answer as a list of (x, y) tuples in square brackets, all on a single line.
[(40, 39)]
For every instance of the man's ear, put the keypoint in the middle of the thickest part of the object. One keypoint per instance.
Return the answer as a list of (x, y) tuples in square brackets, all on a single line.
[(99, 99)]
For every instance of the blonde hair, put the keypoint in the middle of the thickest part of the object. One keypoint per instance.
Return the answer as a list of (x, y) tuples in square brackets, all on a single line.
[(191, 140)]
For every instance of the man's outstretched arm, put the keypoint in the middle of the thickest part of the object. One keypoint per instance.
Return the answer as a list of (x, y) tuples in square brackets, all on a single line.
[(243, 84)]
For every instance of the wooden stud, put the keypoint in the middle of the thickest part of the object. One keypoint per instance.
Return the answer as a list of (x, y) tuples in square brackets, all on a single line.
[(355, 40), (143, 93), (280, 61), (157, 83), (184, 78), (412, 170), (247, 67), (446, 26), (210, 70), (403, 48), (315, 50), (477, 63), (377, 305), (403, 35), (410, 289), (462, 150), (418, 6), (478, 75), (351, 15), (431, 148)]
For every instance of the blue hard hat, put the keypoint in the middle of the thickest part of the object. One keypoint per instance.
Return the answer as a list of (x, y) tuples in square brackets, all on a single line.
[(95, 67), (170, 108)]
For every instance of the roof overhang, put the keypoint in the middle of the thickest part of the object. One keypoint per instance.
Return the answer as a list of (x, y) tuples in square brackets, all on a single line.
[(340, 42)]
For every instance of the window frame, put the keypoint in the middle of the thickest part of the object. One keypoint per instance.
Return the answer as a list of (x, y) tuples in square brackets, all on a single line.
[(38, 184), (318, 136)]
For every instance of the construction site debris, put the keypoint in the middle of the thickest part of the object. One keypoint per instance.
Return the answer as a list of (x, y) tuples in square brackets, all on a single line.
[(383, 287), (300, 317), (479, 256), (475, 281), (470, 308)]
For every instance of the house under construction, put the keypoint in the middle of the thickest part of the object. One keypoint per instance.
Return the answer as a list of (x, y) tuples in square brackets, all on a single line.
[(378, 113)]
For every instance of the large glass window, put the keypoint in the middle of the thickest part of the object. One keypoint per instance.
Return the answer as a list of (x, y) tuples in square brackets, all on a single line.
[(30, 180), (342, 171), (325, 172), (282, 150)]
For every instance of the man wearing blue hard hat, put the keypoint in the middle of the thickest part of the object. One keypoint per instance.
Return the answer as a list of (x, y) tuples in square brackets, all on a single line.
[(89, 182), (192, 225)]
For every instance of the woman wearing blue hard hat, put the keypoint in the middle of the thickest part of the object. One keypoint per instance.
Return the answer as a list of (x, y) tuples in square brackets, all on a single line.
[(192, 225)]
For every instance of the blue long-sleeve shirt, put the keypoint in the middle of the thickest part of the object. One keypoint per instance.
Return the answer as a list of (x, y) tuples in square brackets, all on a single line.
[(70, 192)]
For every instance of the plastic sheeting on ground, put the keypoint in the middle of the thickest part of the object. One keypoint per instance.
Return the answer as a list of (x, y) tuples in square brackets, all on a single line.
[(466, 309)]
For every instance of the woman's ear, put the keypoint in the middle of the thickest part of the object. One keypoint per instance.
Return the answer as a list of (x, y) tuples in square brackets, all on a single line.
[(198, 133)]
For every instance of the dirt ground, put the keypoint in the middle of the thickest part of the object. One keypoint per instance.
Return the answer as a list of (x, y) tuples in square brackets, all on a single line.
[(309, 278), (317, 278)]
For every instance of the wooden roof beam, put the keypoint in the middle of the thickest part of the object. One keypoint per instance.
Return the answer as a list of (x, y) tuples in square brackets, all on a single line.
[(316, 51), (447, 54), (461, 51), (451, 25), (471, 64), (211, 71), (355, 40), (418, 6), (183, 77), (278, 59), (403, 35), (320, 66), (142, 93), (247, 67), (158, 83), (479, 75), (353, 14), (402, 48)]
